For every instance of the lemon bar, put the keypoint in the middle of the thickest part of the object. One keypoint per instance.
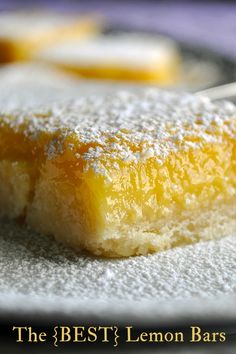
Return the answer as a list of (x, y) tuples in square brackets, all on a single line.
[(130, 57), (122, 175), (23, 33)]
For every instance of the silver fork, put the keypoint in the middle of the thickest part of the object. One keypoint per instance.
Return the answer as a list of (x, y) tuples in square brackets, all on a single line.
[(219, 92)]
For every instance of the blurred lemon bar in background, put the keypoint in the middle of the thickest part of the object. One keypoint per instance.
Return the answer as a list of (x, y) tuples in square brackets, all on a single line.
[(122, 175), (23, 33), (131, 56)]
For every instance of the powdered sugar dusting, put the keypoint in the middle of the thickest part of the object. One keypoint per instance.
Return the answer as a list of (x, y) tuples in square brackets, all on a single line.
[(35, 265), (27, 24), (132, 51), (127, 126)]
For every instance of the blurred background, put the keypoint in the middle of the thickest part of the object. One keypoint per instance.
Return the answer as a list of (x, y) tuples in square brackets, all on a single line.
[(208, 23), (186, 45)]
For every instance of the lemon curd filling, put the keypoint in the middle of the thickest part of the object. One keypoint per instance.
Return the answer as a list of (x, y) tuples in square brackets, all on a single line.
[(124, 175)]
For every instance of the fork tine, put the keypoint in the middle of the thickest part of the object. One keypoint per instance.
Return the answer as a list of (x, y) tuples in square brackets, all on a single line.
[(219, 92)]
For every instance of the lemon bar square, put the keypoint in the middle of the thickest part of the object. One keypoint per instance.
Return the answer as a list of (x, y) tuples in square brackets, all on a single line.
[(122, 175), (134, 57), (23, 33)]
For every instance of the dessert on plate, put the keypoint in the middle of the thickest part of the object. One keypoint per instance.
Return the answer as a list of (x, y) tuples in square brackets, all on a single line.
[(23, 33), (122, 175), (129, 57)]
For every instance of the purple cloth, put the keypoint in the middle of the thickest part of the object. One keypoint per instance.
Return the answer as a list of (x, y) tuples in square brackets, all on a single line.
[(210, 24)]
